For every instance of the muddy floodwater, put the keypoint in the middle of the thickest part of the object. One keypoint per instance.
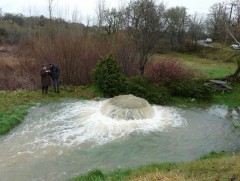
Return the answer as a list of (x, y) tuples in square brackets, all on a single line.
[(58, 141)]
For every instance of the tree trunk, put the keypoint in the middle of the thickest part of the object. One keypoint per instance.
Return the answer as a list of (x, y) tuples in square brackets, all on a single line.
[(238, 69), (235, 76), (143, 62)]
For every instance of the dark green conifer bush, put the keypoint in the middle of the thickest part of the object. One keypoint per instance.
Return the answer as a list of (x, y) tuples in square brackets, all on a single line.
[(140, 86), (190, 89), (108, 77)]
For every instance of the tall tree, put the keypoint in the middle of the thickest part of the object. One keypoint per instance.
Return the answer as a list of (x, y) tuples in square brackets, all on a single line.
[(100, 12), (196, 28), (112, 20), (233, 24), (216, 22), (144, 25), (50, 8), (177, 22)]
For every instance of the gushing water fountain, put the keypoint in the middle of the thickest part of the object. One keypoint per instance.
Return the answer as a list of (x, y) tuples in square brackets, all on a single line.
[(127, 107)]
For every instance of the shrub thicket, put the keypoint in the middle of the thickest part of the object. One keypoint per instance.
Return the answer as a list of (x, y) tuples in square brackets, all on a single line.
[(140, 87), (177, 79), (191, 89), (167, 71), (108, 77), (109, 80)]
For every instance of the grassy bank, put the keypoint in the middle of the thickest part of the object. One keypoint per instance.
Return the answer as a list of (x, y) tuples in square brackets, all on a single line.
[(231, 99), (215, 166), (213, 65), (209, 68)]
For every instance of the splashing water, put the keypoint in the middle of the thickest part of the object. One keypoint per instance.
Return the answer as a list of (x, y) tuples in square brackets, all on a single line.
[(127, 107), (59, 141), (54, 130), (81, 122)]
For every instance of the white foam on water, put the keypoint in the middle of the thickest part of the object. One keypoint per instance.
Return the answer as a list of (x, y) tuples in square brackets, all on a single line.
[(220, 111), (78, 123)]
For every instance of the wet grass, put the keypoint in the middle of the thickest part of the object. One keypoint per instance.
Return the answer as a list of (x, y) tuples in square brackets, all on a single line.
[(9, 119), (214, 166)]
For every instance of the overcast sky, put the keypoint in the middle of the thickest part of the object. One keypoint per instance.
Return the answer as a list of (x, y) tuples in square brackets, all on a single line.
[(87, 8)]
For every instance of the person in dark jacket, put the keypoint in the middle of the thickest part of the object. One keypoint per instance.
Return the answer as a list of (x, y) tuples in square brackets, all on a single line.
[(54, 74), (45, 79)]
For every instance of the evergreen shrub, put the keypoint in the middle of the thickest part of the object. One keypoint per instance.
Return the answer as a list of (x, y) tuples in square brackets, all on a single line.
[(190, 89), (140, 87), (108, 77)]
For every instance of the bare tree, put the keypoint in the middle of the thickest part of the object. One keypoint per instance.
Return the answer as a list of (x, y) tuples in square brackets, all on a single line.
[(216, 21), (50, 8), (144, 20), (233, 24), (196, 28), (76, 16), (112, 20), (177, 21), (100, 12)]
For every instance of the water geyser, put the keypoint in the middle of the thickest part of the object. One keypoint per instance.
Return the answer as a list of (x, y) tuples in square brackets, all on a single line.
[(127, 107)]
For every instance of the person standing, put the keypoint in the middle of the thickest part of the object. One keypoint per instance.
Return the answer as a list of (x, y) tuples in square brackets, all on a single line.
[(45, 79), (54, 74)]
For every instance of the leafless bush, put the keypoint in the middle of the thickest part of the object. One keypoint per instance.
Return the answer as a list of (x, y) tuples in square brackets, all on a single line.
[(12, 78), (126, 54), (76, 56), (166, 71)]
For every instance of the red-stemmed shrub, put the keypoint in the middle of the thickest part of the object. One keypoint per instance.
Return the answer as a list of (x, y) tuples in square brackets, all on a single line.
[(167, 71)]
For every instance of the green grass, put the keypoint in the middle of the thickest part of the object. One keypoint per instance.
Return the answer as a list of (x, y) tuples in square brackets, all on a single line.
[(98, 175), (210, 68), (231, 99), (9, 119), (214, 166)]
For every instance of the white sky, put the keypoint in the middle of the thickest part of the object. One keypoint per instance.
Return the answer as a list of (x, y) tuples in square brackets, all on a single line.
[(87, 8)]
